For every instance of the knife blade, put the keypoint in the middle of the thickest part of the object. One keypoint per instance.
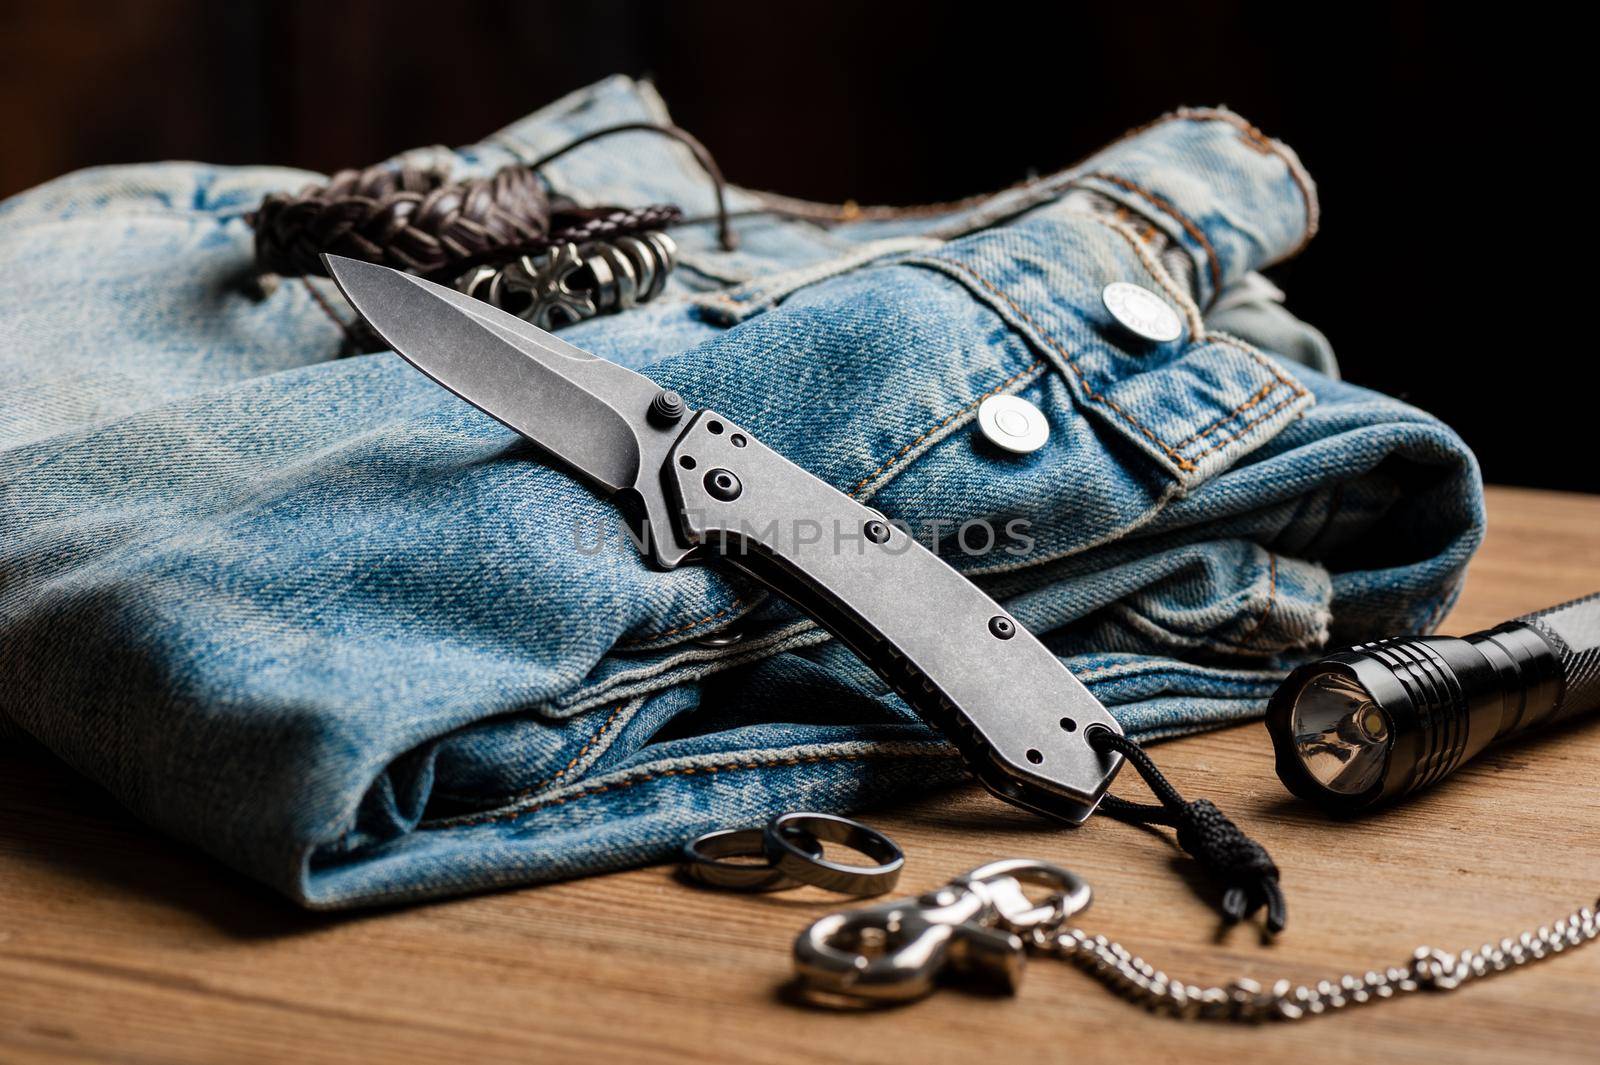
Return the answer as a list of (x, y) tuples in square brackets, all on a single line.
[(585, 411)]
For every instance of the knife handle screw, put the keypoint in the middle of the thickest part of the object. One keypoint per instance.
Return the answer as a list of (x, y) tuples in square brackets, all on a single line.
[(666, 408), (723, 485), (1002, 627), (876, 531)]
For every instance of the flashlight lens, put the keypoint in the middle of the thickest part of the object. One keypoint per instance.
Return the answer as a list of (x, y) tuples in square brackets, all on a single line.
[(1342, 736)]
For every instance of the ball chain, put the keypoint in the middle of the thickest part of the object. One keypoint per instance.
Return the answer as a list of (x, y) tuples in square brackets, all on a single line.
[(1247, 1001)]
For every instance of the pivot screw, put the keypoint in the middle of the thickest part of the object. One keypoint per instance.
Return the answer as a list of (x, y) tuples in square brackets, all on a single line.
[(876, 531), (723, 485), (1002, 627), (666, 408)]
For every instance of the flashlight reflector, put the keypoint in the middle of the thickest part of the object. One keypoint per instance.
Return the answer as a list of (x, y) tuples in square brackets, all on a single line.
[(1342, 733)]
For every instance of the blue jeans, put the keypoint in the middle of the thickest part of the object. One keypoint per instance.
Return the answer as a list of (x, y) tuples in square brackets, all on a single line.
[(334, 626)]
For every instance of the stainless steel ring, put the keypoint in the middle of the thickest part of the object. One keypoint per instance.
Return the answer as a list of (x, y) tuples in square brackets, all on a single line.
[(702, 860), (784, 836)]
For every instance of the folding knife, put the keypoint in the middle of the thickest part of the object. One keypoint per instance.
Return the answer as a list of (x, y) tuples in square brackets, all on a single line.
[(700, 488)]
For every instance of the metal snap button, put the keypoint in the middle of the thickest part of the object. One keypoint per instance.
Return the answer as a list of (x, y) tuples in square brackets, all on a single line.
[(1142, 312), (1012, 423)]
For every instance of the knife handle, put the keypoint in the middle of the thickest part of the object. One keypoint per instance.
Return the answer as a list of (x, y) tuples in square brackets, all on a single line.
[(1016, 714)]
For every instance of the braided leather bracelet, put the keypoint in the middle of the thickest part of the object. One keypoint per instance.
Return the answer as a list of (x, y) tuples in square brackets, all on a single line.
[(421, 222)]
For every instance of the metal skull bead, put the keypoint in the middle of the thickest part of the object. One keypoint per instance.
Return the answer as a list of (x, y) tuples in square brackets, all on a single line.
[(571, 282)]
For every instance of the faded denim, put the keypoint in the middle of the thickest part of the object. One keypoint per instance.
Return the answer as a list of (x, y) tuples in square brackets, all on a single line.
[(324, 620)]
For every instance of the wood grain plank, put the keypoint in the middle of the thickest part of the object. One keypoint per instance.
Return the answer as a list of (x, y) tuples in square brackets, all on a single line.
[(117, 945)]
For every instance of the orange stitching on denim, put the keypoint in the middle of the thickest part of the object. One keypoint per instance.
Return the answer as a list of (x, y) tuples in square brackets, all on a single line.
[(594, 739), (1181, 462), (1213, 264), (725, 301), (1270, 365), (1089, 391), (535, 789), (684, 771), (685, 627), (1035, 368), (1272, 597), (1266, 390), (1208, 635), (850, 212), (854, 212), (1297, 172), (1265, 144), (1252, 137), (1187, 465), (1160, 275), (1247, 426)]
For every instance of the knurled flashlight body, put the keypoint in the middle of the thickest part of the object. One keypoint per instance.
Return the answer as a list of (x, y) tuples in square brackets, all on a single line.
[(1376, 721)]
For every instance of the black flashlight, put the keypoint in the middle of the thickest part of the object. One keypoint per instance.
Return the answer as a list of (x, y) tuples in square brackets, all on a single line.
[(1369, 724)]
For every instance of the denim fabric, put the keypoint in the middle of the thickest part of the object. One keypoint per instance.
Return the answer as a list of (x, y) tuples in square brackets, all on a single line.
[(328, 622)]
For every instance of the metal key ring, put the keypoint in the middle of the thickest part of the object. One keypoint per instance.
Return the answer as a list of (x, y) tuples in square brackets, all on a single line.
[(701, 860), (782, 837)]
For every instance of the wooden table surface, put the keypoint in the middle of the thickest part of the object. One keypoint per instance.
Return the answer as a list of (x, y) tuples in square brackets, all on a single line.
[(117, 944)]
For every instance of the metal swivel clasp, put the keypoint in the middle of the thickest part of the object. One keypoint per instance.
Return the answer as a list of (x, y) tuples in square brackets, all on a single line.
[(971, 928)]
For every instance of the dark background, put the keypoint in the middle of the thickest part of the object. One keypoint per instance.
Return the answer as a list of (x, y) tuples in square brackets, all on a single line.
[(1448, 148)]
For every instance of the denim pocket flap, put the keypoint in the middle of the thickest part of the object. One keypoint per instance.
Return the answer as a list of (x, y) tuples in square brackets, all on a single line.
[(1194, 405)]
